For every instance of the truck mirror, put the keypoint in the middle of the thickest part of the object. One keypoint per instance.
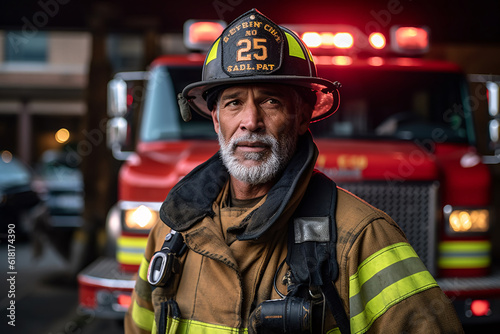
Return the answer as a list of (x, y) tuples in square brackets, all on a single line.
[(117, 97), (493, 104), (493, 97), (117, 135), (494, 129)]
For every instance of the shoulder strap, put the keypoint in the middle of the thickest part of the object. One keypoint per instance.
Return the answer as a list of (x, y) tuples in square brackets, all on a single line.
[(312, 244)]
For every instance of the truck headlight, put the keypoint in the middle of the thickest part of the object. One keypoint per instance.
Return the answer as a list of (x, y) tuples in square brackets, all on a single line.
[(140, 217), (463, 220)]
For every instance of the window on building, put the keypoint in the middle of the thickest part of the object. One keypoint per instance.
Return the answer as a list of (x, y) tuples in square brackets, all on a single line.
[(21, 47)]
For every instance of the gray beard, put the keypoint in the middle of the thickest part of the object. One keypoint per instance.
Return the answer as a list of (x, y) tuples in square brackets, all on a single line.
[(272, 163)]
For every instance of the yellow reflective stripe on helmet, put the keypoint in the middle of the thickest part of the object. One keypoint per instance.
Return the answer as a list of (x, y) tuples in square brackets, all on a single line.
[(294, 48), (183, 326), (384, 279), (143, 269), (310, 55), (213, 52), (142, 317), (464, 254)]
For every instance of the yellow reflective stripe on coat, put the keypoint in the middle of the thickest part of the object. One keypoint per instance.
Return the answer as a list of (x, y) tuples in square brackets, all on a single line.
[(183, 326), (142, 317), (154, 330), (143, 269), (383, 279), (464, 254)]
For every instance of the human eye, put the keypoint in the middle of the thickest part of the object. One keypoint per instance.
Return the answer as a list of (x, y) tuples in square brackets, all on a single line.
[(272, 103), (231, 103)]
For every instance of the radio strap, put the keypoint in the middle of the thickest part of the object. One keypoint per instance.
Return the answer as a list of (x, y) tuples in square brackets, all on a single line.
[(312, 245)]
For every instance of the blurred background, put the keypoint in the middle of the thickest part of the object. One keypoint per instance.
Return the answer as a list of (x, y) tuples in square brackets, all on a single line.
[(56, 58)]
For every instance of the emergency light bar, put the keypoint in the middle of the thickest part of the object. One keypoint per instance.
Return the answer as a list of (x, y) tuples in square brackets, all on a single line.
[(199, 35), (326, 39)]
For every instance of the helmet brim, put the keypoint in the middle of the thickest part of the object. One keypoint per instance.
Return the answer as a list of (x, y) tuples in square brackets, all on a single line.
[(327, 95)]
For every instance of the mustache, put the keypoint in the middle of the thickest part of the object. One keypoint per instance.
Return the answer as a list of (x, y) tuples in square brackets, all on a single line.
[(253, 137)]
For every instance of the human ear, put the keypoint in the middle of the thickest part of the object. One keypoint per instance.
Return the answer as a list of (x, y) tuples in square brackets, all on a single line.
[(215, 119), (304, 119)]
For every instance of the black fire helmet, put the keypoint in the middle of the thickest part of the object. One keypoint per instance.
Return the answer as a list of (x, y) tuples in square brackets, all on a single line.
[(253, 49)]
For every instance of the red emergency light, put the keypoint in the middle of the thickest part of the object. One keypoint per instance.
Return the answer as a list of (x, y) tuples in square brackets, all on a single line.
[(343, 40), (124, 300), (377, 40), (339, 40), (199, 35), (203, 32), (312, 39), (341, 60), (410, 39), (480, 308)]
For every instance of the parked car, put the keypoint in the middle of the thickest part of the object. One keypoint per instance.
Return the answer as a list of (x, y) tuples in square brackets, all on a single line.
[(18, 198), (62, 184)]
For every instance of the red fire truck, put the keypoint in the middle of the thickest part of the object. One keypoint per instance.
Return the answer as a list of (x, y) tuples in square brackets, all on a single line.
[(403, 139)]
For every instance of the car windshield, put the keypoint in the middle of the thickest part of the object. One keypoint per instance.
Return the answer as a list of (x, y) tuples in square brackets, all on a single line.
[(397, 105), (162, 119), (13, 173)]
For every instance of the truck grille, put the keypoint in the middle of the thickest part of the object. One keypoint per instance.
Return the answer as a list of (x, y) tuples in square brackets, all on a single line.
[(412, 205)]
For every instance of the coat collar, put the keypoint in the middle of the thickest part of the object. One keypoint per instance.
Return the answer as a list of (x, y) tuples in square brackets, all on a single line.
[(192, 198)]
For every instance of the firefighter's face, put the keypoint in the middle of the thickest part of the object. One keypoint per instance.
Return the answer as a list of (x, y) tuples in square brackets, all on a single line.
[(258, 127)]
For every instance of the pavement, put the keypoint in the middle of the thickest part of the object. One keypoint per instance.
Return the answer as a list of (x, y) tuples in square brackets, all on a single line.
[(44, 293)]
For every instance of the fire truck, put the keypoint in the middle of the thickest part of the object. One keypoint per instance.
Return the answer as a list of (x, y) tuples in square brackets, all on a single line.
[(403, 139)]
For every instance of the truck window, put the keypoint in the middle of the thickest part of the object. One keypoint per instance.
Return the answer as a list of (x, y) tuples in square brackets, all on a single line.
[(162, 119), (398, 105)]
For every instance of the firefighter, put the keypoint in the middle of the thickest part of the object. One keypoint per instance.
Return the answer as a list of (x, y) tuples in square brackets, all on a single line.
[(255, 238)]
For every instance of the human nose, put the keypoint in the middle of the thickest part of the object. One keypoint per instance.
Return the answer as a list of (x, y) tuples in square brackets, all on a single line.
[(251, 118)]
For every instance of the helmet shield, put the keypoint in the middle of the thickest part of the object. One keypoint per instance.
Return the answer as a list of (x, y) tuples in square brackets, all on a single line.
[(253, 49)]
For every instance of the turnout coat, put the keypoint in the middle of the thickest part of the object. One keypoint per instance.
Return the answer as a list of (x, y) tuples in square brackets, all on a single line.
[(233, 258)]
